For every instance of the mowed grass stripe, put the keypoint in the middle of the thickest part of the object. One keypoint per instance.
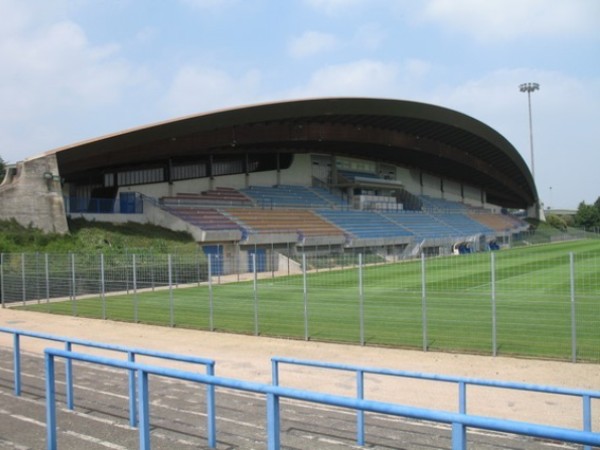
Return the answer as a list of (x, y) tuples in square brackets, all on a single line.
[(533, 304)]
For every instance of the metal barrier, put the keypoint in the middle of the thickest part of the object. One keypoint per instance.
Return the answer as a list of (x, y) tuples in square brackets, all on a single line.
[(462, 383), (131, 354), (458, 421)]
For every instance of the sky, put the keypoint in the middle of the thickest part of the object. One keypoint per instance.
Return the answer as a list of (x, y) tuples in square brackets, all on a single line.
[(72, 70)]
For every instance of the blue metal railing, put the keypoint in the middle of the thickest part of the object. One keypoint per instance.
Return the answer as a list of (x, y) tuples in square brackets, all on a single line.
[(462, 383), (458, 421), (131, 355), (129, 204)]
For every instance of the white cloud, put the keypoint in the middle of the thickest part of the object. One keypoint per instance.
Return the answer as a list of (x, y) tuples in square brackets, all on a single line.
[(58, 65), (17, 16), (370, 77), (312, 43), (358, 78), (513, 19), (417, 69), (334, 7), (209, 4), (51, 73), (510, 19), (196, 90), (369, 36)]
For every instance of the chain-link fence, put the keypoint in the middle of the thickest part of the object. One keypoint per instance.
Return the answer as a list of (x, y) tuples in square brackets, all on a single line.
[(540, 301)]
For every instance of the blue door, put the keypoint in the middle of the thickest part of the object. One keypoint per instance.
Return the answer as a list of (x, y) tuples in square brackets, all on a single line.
[(261, 259), (216, 258), (127, 202)]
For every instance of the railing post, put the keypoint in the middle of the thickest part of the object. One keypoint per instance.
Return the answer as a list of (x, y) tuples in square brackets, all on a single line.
[(459, 436), (211, 421), (52, 443), (360, 413), (132, 392), (144, 410), (274, 372), (462, 397), (69, 378), (273, 422), (17, 363), (587, 417)]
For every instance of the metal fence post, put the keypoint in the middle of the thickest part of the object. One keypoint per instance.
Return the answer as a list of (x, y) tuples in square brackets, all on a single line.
[(2, 279), (170, 268), (23, 281), (210, 295), (255, 295), (135, 298), (493, 273), (305, 291), (573, 318), (102, 286), (73, 286), (272, 261), (47, 274), (37, 277), (424, 302), (361, 299)]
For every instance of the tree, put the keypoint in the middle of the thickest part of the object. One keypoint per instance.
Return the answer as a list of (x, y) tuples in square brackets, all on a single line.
[(2, 169), (587, 216), (557, 222)]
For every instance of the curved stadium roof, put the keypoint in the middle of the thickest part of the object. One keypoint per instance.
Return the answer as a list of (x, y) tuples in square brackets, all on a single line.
[(411, 134)]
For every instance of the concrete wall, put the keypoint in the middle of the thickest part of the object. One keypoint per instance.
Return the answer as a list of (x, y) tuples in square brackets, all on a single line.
[(32, 199), (452, 190)]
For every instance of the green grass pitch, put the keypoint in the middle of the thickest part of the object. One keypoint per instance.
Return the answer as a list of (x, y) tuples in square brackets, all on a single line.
[(531, 294)]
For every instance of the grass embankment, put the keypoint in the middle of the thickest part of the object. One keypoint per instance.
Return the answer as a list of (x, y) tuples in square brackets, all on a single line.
[(94, 237)]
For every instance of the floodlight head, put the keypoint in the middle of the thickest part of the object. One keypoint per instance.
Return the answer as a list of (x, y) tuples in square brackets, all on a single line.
[(529, 87)]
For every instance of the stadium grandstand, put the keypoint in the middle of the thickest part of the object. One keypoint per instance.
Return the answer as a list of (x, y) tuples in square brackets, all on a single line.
[(346, 173)]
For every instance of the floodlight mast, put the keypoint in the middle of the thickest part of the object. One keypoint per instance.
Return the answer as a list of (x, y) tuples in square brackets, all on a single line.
[(529, 88)]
